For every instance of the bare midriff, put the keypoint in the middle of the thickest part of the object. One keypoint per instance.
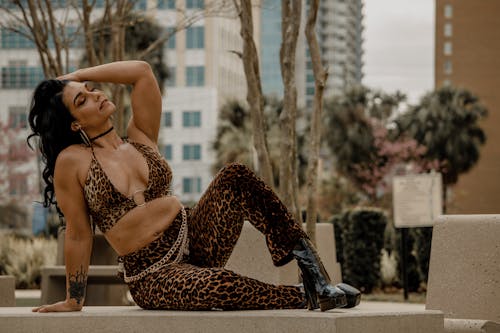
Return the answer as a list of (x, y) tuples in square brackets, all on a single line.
[(143, 224)]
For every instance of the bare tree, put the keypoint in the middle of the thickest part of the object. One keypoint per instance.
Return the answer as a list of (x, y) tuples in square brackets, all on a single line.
[(320, 77), (291, 14), (254, 95)]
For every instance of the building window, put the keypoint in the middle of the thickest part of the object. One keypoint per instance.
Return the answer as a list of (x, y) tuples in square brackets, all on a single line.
[(14, 40), (191, 119), (171, 77), (171, 38), (448, 68), (140, 5), (166, 4), (191, 185), (310, 91), (191, 152), (166, 152), (21, 77), (166, 119), (194, 4), (448, 11), (447, 48), (18, 117), (195, 76), (448, 29), (195, 38)]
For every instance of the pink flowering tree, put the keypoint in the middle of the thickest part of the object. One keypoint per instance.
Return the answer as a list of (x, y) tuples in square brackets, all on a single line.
[(17, 169)]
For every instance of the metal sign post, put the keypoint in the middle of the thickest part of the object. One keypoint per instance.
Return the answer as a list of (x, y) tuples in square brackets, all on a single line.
[(417, 201)]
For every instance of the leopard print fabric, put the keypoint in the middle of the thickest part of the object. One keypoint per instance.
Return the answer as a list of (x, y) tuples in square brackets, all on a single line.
[(199, 281), (110, 205)]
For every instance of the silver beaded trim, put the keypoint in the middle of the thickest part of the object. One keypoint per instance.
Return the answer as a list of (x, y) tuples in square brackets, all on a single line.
[(181, 246)]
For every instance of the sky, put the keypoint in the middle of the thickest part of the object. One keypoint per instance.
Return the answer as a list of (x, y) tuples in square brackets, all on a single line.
[(399, 46)]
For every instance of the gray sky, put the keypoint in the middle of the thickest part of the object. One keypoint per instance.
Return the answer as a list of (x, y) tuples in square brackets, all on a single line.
[(399, 46)]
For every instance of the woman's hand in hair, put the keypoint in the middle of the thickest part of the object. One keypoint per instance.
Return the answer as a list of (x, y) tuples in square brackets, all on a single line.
[(73, 76)]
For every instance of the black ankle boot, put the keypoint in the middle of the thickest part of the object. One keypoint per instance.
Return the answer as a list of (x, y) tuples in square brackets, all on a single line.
[(353, 295), (317, 284)]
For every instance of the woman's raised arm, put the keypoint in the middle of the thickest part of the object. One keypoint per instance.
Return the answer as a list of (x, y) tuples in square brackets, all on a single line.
[(78, 238), (145, 95)]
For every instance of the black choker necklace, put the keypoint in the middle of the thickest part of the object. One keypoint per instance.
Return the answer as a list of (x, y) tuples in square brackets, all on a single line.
[(101, 135)]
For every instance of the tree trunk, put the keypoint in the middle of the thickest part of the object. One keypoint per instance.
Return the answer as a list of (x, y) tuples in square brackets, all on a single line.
[(254, 95), (320, 77), (118, 54), (288, 177)]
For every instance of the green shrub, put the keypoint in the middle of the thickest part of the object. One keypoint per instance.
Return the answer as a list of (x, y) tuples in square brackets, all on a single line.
[(23, 258), (359, 241)]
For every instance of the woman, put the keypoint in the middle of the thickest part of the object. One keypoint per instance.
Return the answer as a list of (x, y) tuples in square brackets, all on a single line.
[(172, 257)]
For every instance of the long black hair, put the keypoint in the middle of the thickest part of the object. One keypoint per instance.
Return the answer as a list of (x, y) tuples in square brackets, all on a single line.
[(50, 121)]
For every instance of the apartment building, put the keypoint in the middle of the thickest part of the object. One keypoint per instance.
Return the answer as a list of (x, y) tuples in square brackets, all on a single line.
[(467, 55)]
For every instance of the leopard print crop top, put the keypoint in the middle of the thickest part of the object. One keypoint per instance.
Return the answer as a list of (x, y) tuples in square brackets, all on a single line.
[(107, 205)]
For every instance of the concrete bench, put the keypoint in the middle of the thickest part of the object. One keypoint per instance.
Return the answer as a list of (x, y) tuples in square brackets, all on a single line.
[(368, 317), (470, 326), (7, 290), (464, 271)]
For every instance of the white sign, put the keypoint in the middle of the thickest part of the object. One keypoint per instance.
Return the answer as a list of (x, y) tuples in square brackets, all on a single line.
[(417, 200)]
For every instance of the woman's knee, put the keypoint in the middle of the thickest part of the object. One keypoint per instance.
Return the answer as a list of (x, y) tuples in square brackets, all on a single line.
[(235, 169)]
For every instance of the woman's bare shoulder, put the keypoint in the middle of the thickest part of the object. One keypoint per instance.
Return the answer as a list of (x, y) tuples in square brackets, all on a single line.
[(72, 160)]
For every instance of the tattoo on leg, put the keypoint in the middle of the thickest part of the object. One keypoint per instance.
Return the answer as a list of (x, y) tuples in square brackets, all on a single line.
[(77, 284)]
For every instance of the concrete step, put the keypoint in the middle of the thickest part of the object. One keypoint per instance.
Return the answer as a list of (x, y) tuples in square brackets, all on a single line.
[(366, 318)]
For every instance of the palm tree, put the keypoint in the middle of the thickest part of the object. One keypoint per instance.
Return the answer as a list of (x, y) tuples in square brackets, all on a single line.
[(446, 121), (233, 142)]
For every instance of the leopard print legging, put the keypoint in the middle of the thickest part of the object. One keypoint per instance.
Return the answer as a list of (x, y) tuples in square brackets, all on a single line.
[(200, 282)]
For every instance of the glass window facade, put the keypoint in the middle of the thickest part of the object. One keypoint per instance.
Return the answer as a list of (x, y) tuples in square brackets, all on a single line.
[(166, 4), (195, 4), (13, 40), (191, 152), (21, 77), (166, 119), (170, 44), (191, 185), (166, 152), (191, 119), (270, 48), (195, 76), (171, 80), (195, 37)]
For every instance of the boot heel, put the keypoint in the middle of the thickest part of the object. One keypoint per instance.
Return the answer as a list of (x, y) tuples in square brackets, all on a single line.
[(311, 295)]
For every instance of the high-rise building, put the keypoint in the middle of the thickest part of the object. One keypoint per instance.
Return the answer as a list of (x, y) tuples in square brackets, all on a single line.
[(339, 31), (340, 35), (467, 55)]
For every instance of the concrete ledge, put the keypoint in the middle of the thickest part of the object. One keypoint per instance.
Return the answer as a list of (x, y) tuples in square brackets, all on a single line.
[(368, 317), (103, 285), (470, 326), (464, 270), (7, 290)]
